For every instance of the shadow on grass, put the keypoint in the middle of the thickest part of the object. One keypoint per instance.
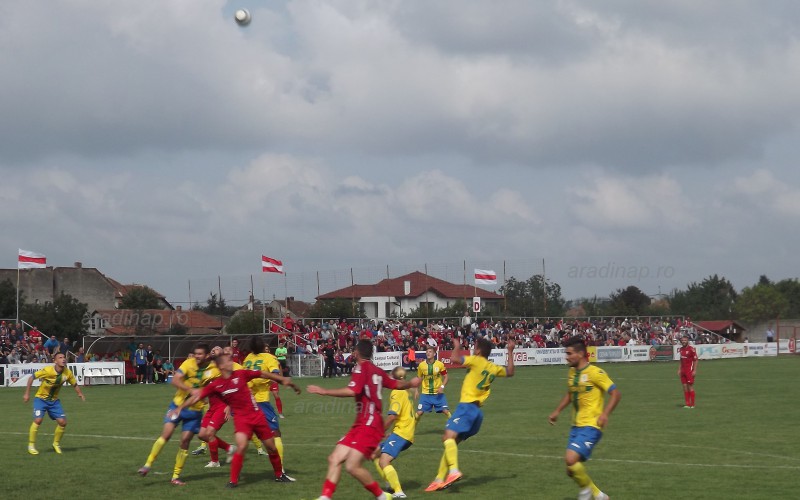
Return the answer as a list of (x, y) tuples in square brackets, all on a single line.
[(468, 481)]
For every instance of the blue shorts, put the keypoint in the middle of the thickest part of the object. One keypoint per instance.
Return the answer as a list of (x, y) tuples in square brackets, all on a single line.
[(466, 420), (583, 440), (272, 417), (189, 419), (394, 444), (52, 408), (432, 402)]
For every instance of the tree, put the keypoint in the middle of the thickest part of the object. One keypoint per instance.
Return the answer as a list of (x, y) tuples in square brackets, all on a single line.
[(245, 323), (712, 298), (790, 290), (629, 302), (8, 299), (761, 302), (454, 311), (215, 306), (533, 297), (336, 308), (141, 297), (64, 317)]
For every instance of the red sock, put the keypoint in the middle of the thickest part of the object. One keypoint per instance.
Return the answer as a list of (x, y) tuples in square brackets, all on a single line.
[(213, 450), (691, 397), (236, 467), (223, 445), (374, 488), (278, 403), (328, 489), (275, 460), (686, 398)]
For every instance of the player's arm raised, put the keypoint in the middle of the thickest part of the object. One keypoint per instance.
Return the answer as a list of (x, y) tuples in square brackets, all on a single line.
[(455, 355), (510, 368)]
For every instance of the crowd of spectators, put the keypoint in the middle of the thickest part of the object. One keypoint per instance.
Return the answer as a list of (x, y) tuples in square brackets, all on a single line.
[(318, 338), (18, 345)]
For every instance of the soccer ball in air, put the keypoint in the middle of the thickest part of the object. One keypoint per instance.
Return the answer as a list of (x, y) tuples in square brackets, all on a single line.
[(242, 17)]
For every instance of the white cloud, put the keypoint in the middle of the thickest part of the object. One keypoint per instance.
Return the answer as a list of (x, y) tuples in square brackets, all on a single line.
[(762, 189), (606, 201)]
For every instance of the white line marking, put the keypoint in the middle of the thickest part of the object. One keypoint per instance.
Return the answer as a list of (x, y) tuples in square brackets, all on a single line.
[(484, 452)]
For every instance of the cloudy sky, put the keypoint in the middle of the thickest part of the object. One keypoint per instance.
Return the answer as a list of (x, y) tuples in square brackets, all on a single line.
[(161, 143)]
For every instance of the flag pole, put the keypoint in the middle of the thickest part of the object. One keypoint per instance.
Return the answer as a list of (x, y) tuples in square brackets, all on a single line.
[(17, 319)]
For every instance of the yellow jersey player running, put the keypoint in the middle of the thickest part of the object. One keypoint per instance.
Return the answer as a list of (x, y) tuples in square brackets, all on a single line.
[(46, 400), (261, 359), (434, 379), (196, 372), (587, 386), (401, 415), (466, 420)]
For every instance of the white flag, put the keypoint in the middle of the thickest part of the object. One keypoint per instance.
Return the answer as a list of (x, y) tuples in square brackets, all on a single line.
[(485, 277), (31, 260)]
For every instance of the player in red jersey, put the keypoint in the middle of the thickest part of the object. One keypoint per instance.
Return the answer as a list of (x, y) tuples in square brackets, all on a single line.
[(248, 419), (366, 433), (687, 370), (215, 417)]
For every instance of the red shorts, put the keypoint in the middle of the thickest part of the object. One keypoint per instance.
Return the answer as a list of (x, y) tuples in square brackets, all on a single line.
[(252, 423), (274, 387), (214, 418), (687, 378), (362, 438)]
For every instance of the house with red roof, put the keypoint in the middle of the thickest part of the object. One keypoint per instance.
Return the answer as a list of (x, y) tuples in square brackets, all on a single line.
[(725, 328), (152, 321), (411, 291)]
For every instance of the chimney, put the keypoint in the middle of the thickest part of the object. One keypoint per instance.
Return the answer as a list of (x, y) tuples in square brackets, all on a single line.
[(406, 287), (78, 265), (179, 308)]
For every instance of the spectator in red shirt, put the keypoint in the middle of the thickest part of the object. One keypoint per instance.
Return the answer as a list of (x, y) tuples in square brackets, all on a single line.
[(288, 322)]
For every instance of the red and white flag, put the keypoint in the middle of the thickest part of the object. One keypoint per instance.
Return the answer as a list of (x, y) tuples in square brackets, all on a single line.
[(31, 260), (485, 277), (270, 265)]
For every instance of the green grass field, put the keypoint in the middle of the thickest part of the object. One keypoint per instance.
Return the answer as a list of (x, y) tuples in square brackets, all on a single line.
[(740, 441)]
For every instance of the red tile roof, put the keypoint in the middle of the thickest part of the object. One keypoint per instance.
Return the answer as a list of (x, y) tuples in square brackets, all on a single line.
[(420, 283), (123, 321), (719, 325)]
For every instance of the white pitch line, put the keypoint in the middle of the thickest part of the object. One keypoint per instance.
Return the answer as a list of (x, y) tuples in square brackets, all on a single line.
[(480, 452)]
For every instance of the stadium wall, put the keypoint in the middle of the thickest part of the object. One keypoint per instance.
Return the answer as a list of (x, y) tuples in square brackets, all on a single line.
[(556, 356)]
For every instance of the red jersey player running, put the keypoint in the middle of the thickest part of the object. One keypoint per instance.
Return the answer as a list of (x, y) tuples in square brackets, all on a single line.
[(366, 433), (232, 387), (687, 370)]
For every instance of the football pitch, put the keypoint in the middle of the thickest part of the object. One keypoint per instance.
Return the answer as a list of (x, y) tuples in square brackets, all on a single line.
[(739, 442)]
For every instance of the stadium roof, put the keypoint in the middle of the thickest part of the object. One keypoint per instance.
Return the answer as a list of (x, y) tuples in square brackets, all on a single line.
[(420, 283)]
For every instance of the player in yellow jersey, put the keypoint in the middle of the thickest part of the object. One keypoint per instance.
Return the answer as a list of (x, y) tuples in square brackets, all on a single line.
[(261, 359), (434, 379), (466, 420), (587, 386), (196, 372), (46, 400), (401, 416)]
